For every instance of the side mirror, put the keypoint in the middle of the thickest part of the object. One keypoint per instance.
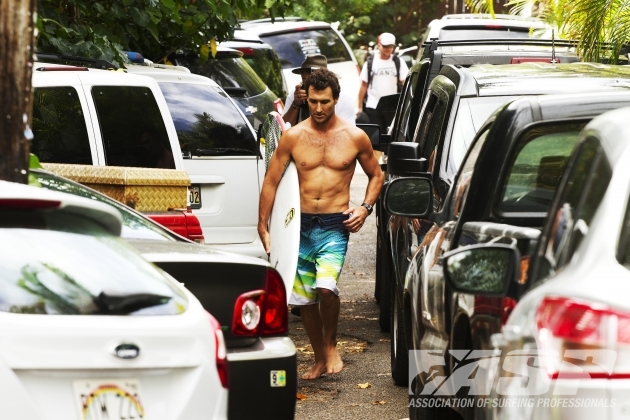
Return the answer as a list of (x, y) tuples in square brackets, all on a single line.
[(379, 141), (388, 103), (403, 159), (409, 197), (484, 269)]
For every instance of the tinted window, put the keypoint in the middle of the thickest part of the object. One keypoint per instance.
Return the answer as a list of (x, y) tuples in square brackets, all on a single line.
[(59, 127), (407, 98), (292, 47), (580, 198), (132, 127), (134, 226), (232, 72), (206, 119), (539, 163), (471, 115), (463, 180), (267, 65), (46, 271), (475, 32)]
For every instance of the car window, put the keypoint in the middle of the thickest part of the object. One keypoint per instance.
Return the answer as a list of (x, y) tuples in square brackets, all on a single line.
[(471, 114), (52, 272), (292, 47), (59, 129), (467, 32), (134, 226), (408, 92), (207, 121), (537, 167), (132, 127), (584, 191), (267, 65), (233, 72), (465, 175), (623, 249)]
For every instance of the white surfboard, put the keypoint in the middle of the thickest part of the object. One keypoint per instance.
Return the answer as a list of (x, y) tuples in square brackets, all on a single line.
[(284, 227)]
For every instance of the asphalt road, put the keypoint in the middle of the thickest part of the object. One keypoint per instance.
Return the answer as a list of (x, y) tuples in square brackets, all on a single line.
[(364, 348)]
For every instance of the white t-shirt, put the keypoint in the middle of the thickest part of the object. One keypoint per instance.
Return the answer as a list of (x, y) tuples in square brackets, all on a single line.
[(383, 78), (344, 109)]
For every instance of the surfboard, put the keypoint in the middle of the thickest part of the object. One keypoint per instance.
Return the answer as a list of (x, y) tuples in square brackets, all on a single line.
[(284, 223)]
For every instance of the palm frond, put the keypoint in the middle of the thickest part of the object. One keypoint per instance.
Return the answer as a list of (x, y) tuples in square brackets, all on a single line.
[(481, 6)]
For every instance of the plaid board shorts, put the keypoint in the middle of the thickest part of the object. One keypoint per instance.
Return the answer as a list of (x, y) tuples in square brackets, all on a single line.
[(323, 246)]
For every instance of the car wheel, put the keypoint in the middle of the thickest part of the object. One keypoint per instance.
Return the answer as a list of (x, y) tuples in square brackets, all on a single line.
[(379, 263), (418, 412), (385, 302), (399, 350)]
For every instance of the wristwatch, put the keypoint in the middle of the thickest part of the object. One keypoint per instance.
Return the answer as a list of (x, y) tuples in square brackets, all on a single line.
[(368, 208)]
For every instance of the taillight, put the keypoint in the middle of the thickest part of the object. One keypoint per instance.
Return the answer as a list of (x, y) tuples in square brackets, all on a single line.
[(246, 50), (275, 305), (593, 336), (193, 228), (262, 312), (28, 204), (220, 352)]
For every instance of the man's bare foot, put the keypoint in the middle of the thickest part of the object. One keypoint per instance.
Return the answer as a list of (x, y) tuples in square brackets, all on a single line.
[(334, 363), (316, 371)]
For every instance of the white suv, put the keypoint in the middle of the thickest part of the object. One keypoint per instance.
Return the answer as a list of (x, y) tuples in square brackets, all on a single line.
[(111, 118), (294, 38)]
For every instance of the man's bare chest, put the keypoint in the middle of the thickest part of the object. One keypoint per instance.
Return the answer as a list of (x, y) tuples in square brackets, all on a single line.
[(335, 152)]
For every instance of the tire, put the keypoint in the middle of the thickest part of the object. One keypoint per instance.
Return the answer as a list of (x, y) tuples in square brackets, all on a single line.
[(385, 301), (399, 353), (430, 413), (379, 262)]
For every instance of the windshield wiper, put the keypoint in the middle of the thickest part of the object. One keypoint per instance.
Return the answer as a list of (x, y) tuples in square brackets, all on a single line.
[(115, 303), (220, 151)]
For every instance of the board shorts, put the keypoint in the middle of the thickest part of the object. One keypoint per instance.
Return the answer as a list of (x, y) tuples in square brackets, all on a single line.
[(323, 246)]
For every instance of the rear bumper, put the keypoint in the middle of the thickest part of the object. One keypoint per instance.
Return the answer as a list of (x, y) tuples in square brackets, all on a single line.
[(252, 371), (253, 249)]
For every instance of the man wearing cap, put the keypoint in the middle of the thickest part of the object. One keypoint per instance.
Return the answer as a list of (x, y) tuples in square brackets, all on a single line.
[(381, 78), (296, 109)]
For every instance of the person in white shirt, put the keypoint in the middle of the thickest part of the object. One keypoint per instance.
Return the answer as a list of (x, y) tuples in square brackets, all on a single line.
[(296, 109), (381, 76)]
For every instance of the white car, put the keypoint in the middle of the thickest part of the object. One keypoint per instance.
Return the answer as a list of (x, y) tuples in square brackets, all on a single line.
[(88, 328), (294, 38)]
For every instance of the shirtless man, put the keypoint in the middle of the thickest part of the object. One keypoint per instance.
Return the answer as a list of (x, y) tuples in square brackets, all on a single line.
[(325, 149)]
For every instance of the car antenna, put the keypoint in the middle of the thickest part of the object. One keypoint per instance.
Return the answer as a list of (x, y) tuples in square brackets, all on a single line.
[(553, 46)]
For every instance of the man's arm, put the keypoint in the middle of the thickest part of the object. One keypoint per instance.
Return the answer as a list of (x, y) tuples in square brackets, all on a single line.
[(292, 108), (278, 163), (372, 169), (362, 92)]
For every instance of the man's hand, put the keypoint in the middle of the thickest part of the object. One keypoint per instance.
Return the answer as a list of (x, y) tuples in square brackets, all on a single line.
[(299, 96), (356, 221), (265, 239)]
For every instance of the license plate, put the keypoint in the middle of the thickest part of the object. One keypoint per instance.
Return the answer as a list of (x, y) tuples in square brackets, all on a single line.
[(194, 196), (111, 399)]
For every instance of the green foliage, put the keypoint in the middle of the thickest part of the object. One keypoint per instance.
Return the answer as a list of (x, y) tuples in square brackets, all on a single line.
[(106, 28), (481, 6)]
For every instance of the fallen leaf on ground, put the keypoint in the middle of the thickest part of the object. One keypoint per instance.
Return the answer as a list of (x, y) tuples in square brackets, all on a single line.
[(385, 340), (365, 385), (379, 402), (358, 317), (301, 397), (298, 328), (372, 319)]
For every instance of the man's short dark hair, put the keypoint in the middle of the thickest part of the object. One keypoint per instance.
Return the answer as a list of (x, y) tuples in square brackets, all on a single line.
[(321, 79)]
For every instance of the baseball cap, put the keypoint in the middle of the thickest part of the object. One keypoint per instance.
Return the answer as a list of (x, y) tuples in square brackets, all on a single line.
[(312, 62), (387, 39)]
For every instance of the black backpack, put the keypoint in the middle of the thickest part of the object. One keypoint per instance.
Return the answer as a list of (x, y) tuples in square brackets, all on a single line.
[(370, 61)]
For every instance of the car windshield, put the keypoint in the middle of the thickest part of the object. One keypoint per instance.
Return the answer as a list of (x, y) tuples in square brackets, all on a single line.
[(62, 263), (134, 226), (292, 47), (471, 115), (206, 120), (233, 72), (475, 32)]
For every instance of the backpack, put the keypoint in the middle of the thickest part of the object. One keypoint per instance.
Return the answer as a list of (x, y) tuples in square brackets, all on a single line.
[(370, 61)]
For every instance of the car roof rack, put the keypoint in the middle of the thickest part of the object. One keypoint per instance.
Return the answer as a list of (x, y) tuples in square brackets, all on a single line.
[(268, 20), (74, 60), (434, 44)]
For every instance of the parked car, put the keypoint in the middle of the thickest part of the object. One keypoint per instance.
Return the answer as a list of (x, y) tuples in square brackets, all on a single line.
[(91, 328), (247, 297), (95, 117), (501, 195), (575, 297), (436, 55), (294, 38), (262, 58), (239, 80)]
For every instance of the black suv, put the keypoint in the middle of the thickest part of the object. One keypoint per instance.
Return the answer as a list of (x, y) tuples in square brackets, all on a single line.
[(501, 191)]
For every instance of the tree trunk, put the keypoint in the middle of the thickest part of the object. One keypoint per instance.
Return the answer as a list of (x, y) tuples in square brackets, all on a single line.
[(16, 51)]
